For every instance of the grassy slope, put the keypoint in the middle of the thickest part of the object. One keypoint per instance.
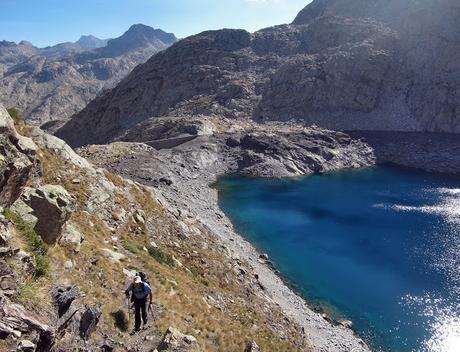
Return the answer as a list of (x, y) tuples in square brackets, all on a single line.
[(205, 297)]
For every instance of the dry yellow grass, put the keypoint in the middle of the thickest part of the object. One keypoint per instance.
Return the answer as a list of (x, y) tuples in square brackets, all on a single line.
[(224, 325)]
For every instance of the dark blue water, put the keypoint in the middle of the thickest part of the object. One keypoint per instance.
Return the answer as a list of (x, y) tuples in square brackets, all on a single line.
[(378, 246)]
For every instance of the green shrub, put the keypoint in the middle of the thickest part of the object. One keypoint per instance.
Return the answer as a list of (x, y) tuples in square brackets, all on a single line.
[(41, 265), (34, 242), (120, 320), (160, 256), (130, 246), (15, 114)]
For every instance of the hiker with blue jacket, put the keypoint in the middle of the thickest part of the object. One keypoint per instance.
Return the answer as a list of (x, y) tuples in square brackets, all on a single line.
[(140, 292)]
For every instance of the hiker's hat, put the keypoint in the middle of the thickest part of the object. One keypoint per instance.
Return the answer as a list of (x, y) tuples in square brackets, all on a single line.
[(137, 280)]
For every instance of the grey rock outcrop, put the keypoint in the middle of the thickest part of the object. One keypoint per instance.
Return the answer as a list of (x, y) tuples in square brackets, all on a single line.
[(63, 296), (75, 322), (47, 209), (16, 321), (89, 321), (268, 150), (17, 160), (26, 345), (380, 65), (56, 82), (175, 341), (252, 347), (8, 280), (71, 237), (166, 132)]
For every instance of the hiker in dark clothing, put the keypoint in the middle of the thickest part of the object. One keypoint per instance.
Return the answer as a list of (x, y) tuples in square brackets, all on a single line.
[(140, 291)]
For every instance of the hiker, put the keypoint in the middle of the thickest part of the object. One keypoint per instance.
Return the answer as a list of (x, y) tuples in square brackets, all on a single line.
[(140, 292)]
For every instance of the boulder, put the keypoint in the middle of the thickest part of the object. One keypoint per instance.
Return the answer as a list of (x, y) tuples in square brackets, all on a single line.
[(71, 237), (252, 347), (115, 257), (63, 296), (53, 206), (89, 321), (174, 340), (47, 209), (108, 345), (27, 262), (8, 281), (26, 345), (22, 208)]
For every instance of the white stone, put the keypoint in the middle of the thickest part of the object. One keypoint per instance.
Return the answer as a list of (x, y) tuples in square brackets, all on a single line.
[(112, 255)]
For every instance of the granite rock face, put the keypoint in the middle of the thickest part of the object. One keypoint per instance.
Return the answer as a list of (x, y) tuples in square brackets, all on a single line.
[(368, 65), (50, 206), (56, 82), (17, 160)]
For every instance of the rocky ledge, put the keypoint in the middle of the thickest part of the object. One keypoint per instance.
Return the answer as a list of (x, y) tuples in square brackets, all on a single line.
[(433, 152)]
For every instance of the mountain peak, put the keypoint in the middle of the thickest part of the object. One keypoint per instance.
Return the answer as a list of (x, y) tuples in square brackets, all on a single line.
[(91, 42), (142, 32), (139, 35), (25, 43), (139, 27)]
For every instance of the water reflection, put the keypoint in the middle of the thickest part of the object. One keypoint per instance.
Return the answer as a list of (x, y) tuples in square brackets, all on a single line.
[(392, 236), (446, 335), (443, 317)]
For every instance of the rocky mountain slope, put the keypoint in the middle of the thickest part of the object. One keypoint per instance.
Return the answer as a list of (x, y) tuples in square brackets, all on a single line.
[(12, 53), (86, 42), (348, 64), (54, 83), (73, 234)]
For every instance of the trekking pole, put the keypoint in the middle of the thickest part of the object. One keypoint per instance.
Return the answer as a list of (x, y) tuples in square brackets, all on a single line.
[(129, 310), (151, 311)]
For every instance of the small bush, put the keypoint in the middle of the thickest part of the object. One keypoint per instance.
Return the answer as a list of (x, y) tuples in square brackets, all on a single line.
[(15, 114), (160, 256), (131, 246), (34, 242), (120, 320)]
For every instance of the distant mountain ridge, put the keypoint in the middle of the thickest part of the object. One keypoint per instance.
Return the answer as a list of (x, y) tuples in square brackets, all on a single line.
[(86, 42), (91, 42), (342, 64), (69, 48), (55, 82)]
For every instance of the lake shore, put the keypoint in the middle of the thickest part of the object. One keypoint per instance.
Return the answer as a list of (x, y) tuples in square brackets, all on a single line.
[(187, 173)]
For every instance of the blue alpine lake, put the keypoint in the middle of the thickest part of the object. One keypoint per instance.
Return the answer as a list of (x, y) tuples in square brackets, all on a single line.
[(379, 246)]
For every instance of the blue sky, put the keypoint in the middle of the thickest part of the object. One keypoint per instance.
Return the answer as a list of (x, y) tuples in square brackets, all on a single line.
[(47, 22)]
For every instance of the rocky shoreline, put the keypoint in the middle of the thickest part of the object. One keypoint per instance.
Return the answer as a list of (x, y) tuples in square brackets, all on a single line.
[(433, 152), (185, 175)]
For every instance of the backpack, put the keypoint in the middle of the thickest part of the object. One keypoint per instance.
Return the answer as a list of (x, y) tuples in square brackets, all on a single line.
[(143, 277)]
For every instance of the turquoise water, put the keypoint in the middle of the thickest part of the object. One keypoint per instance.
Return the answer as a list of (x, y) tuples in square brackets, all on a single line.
[(378, 246)]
